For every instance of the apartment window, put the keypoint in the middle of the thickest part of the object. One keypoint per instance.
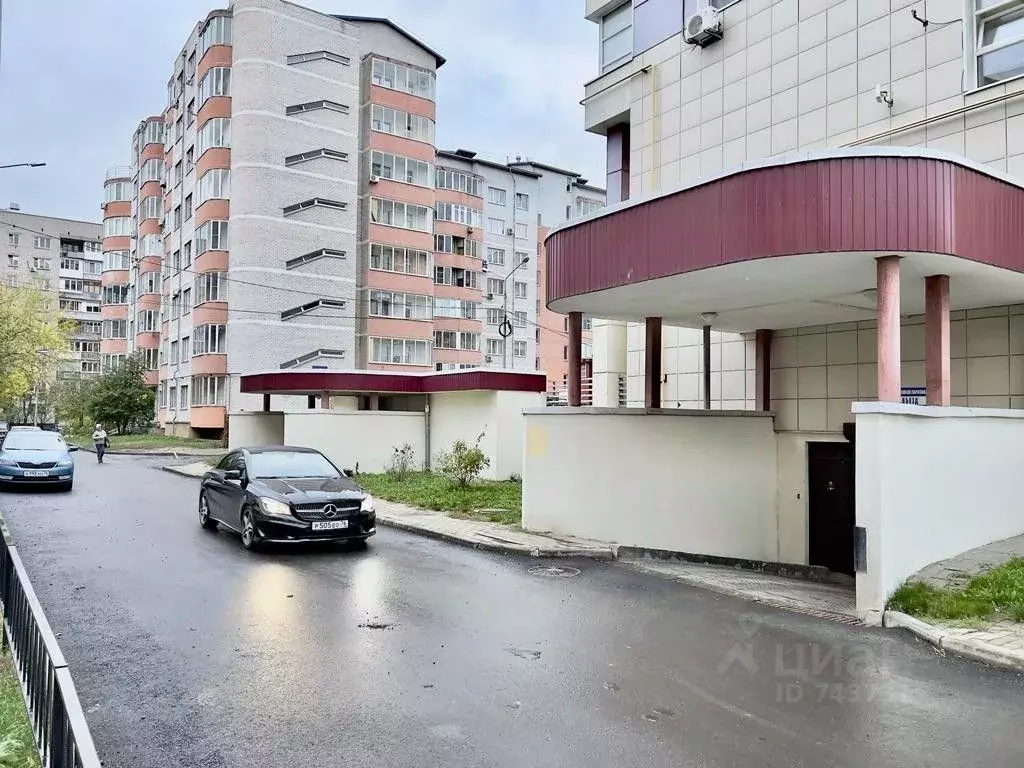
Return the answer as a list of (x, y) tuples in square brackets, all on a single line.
[(153, 133), (72, 286), (12, 260), (115, 329), (38, 262), (119, 226), (178, 174), (460, 214), (617, 37), (151, 207), (457, 308), (399, 123), (459, 181), (177, 217), (998, 41), (588, 324), (211, 286), (186, 254), (151, 170), (522, 202), (461, 246), (186, 302), (521, 230), (494, 316), (389, 258), (496, 226), (496, 256), (446, 340), (211, 236), (71, 264), (208, 340), (496, 196), (190, 118), (147, 321), (521, 256), (206, 390), (519, 319), (518, 349), (520, 290), (469, 342), (118, 191), (495, 347), (216, 82), (190, 160), (400, 351), (585, 207), (41, 242), (115, 294), (183, 388), (116, 260), (496, 286), (216, 32), (151, 245), (403, 215), (399, 77), (92, 247), (397, 168), (69, 305), (460, 278), (214, 184), (405, 306), (216, 132)]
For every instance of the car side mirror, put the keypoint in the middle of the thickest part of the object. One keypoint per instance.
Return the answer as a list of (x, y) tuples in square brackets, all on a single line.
[(72, 448), (349, 472), (232, 474)]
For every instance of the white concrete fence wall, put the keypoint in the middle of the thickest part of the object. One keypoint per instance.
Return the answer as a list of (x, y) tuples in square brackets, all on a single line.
[(688, 481), (255, 428), (932, 483)]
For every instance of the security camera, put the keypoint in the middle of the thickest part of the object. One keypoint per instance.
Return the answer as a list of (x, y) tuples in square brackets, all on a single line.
[(882, 95)]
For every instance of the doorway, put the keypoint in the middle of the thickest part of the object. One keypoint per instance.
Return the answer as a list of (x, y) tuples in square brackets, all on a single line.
[(831, 511)]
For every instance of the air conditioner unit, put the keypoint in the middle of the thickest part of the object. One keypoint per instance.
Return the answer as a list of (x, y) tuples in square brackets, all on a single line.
[(483, 265), (374, 178), (469, 230), (490, 296), (510, 232), (703, 28), (487, 358)]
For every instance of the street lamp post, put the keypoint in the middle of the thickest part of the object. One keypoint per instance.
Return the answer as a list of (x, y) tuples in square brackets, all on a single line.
[(505, 320), (23, 165)]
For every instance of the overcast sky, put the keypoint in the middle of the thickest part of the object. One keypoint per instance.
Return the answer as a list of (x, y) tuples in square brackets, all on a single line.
[(77, 76)]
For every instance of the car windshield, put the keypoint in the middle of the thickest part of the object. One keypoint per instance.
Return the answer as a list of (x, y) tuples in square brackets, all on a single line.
[(290, 464), (34, 441)]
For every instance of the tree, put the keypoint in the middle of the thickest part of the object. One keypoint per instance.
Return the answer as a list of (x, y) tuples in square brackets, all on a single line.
[(31, 340), (71, 399), (120, 399)]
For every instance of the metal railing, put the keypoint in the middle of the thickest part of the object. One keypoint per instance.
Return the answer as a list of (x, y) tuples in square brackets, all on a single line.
[(58, 723), (559, 395)]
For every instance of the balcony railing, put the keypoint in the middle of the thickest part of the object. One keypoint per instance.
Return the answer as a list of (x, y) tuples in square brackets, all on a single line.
[(559, 395), (119, 172), (58, 722)]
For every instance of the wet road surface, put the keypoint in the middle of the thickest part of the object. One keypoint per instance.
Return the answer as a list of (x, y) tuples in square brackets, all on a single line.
[(188, 651)]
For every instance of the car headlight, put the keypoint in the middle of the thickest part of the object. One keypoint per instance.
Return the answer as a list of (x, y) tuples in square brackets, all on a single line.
[(367, 505), (8, 463), (275, 508), (66, 463)]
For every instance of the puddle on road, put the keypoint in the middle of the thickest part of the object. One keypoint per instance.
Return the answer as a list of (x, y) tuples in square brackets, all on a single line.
[(524, 653)]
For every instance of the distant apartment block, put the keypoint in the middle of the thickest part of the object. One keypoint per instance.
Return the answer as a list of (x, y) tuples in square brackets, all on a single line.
[(289, 209), (63, 258)]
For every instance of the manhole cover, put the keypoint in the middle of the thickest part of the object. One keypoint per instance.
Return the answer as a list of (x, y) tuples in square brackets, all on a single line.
[(555, 571)]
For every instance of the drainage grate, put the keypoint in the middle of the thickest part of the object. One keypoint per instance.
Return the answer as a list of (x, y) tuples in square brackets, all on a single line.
[(555, 571)]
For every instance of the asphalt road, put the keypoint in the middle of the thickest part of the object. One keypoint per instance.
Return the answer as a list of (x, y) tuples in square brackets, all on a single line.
[(187, 651)]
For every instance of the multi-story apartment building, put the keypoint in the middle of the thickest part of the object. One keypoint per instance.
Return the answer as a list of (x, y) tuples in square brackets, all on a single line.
[(771, 77), (290, 210), (61, 257)]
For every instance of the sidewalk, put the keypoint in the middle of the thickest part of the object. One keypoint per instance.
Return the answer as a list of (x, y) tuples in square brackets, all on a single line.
[(175, 452), (493, 537), (1001, 643)]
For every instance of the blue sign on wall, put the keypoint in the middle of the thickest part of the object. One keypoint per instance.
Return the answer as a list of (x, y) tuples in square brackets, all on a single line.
[(914, 395)]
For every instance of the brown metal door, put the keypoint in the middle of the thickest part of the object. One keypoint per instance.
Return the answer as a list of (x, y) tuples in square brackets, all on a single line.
[(831, 510)]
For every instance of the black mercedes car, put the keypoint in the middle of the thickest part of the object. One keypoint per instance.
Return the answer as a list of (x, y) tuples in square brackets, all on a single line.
[(284, 494)]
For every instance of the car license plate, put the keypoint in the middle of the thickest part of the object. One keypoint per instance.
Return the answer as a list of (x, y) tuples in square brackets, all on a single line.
[(330, 525), (36, 473)]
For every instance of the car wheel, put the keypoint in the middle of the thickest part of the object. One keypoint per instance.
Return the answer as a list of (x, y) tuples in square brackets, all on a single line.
[(205, 520), (250, 538)]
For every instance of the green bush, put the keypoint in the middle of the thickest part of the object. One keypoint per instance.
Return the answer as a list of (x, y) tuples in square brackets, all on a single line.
[(464, 463), (401, 462)]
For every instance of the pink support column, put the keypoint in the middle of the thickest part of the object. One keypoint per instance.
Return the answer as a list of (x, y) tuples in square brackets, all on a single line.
[(936, 330), (888, 285)]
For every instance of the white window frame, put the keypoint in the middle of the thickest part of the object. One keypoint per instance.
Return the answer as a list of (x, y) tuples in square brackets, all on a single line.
[(404, 170), (974, 49), (626, 9), (497, 196), (407, 345)]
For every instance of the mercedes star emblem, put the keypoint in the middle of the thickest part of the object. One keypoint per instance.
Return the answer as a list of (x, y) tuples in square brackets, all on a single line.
[(330, 510)]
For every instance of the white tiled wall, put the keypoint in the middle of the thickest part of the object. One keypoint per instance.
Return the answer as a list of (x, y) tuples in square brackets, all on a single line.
[(791, 75), (818, 372)]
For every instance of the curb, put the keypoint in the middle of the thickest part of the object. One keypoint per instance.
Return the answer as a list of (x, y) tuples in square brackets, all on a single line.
[(169, 453), (975, 650), (503, 549)]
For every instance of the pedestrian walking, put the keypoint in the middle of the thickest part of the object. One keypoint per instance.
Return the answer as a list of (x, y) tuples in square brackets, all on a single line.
[(101, 442)]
